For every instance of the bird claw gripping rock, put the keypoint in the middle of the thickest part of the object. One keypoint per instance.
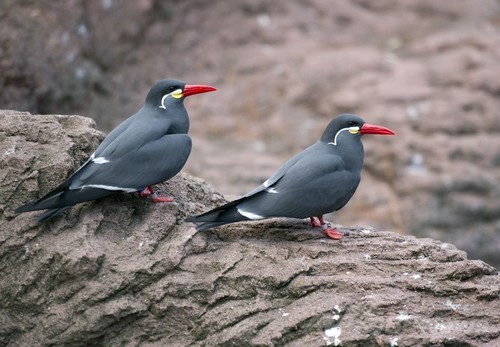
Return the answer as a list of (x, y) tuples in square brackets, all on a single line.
[(161, 198), (149, 193), (331, 231), (328, 228)]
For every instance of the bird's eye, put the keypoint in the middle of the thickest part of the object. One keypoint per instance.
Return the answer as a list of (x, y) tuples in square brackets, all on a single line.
[(172, 88), (351, 123)]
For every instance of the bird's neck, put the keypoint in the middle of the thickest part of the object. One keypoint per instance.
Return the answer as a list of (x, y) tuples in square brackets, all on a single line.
[(179, 127), (351, 151), (353, 155), (176, 119)]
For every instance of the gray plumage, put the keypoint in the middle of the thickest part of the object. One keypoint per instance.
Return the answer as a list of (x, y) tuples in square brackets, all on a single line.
[(148, 148), (319, 180)]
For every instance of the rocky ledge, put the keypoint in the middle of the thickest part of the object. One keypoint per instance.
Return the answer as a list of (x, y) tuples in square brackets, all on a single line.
[(122, 271)]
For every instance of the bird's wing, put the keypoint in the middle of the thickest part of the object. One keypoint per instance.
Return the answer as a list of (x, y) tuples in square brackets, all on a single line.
[(108, 143), (117, 133), (153, 162), (130, 135), (314, 185), (300, 188), (108, 140), (271, 181)]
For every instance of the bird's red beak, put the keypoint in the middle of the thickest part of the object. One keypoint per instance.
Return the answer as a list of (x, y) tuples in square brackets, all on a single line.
[(375, 129), (191, 89)]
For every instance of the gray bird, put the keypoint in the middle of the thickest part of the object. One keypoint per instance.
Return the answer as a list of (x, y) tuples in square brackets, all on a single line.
[(150, 147), (319, 180)]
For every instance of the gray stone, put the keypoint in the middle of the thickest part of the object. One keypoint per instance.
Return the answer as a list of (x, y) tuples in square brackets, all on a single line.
[(123, 271)]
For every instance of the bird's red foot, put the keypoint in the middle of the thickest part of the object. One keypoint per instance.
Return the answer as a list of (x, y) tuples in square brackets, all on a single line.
[(149, 192), (161, 198), (332, 232), (328, 229)]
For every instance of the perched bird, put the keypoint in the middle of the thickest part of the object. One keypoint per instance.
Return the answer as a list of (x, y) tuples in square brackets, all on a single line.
[(319, 180), (150, 147)]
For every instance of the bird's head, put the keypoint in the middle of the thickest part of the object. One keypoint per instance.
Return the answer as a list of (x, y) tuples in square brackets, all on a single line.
[(350, 125), (172, 92)]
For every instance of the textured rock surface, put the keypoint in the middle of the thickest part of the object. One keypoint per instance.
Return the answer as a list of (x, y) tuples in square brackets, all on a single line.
[(428, 69), (122, 271)]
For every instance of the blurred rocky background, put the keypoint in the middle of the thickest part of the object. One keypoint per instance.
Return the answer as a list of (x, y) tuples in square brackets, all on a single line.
[(427, 69)]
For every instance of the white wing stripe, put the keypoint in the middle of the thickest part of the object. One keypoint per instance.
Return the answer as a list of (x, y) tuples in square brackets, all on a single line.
[(105, 187), (100, 160), (249, 215)]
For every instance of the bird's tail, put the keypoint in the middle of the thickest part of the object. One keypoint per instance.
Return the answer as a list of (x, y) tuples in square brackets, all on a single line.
[(224, 214), (51, 213), (46, 202), (64, 199), (58, 202), (50, 200)]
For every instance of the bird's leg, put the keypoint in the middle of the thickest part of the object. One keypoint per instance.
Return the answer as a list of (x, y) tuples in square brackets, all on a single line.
[(149, 192), (327, 227), (316, 222), (144, 193)]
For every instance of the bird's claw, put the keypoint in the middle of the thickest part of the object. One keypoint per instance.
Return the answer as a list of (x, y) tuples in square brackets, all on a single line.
[(328, 228), (149, 193), (332, 232), (161, 198)]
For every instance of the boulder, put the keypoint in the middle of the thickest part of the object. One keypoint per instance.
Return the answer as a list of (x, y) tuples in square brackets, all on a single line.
[(124, 271)]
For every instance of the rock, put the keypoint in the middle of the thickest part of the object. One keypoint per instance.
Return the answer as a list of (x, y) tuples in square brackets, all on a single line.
[(427, 69), (122, 271)]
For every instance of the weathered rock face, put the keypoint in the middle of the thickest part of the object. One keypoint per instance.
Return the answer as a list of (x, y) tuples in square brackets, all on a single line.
[(427, 69), (122, 271)]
